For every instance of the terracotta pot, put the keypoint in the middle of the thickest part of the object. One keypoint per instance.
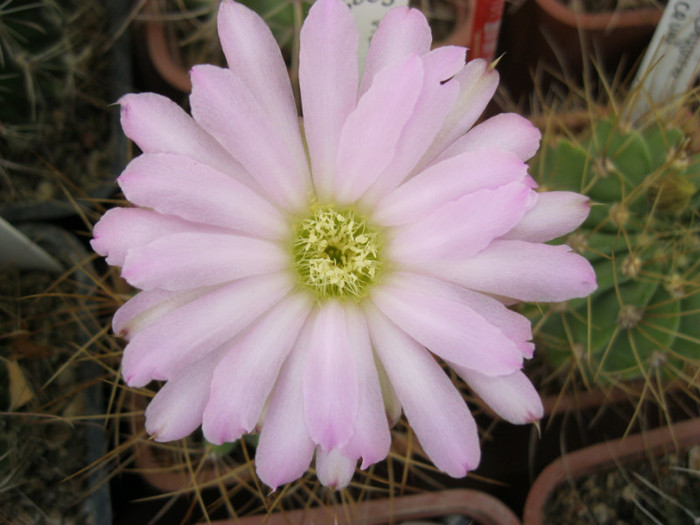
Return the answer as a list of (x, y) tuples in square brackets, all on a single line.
[(604, 456), (561, 42), (573, 36), (481, 507), (159, 464), (162, 51)]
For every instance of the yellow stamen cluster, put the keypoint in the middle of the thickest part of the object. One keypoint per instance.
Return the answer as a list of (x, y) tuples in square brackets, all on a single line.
[(336, 253)]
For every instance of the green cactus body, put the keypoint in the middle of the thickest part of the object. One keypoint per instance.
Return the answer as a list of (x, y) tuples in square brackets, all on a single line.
[(642, 239)]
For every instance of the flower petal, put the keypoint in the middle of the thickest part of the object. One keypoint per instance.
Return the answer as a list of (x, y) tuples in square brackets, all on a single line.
[(391, 400), (447, 181), (523, 271), (511, 396), (189, 260), (512, 325), (434, 103), (331, 386), (371, 440), (507, 131), (368, 140), (176, 410), (334, 469), (245, 377), (158, 125), (435, 409), (461, 228), (252, 52), (176, 185), (401, 32), (328, 78), (555, 214), (186, 333), (285, 450), (478, 82), (448, 328), (122, 229), (224, 106), (146, 307)]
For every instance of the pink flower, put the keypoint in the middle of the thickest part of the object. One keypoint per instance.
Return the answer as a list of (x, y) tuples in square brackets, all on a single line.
[(299, 282)]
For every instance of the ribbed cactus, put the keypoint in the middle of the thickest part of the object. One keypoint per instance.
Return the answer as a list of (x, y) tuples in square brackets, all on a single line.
[(642, 239), (38, 59), (54, 97)]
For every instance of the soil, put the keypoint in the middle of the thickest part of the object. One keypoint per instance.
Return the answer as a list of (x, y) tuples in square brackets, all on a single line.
[(43, 444), (660, 490)]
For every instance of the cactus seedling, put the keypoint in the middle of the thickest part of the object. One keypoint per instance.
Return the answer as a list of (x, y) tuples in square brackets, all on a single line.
[(642, 238)]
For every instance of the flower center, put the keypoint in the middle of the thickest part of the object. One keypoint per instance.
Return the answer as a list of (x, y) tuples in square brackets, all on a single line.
[(336, 253)]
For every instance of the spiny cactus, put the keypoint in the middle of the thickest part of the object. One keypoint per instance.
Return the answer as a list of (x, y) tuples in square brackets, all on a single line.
[(37, 58), (54, 97), (642, 239)]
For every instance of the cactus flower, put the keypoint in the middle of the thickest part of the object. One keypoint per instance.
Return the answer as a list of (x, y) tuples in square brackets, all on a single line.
[(300, 280)]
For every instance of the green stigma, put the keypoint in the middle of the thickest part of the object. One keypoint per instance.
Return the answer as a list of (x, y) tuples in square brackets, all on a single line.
[(336, 253)]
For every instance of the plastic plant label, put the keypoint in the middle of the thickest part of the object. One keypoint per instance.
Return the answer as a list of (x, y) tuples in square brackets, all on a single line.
[(368, 14), (672, 60), (486, 25), (19, 252)]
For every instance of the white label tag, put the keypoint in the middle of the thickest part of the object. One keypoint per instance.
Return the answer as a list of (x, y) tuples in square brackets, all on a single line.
[(367, 15), (673, 57), (19, 252)]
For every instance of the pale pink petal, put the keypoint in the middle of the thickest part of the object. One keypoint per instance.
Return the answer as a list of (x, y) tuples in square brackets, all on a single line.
[(448, 328), (245, 377), (433, 105), (187, 333), (507, 131), (224, 106), (434, 408), (512, 325), (555, 214), (368, 140), (253, 53), (328, 78), (461, 228), (285, 449), (523, 271), (371, 440), (184, 261), (447, 181), (392, 404), (331, 383), (122, 229), (401, 32), (511, 396), (334, 470), (147, 307), (443, 63), (176, 185), (176, 410), (478, 82), (158, 125)]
